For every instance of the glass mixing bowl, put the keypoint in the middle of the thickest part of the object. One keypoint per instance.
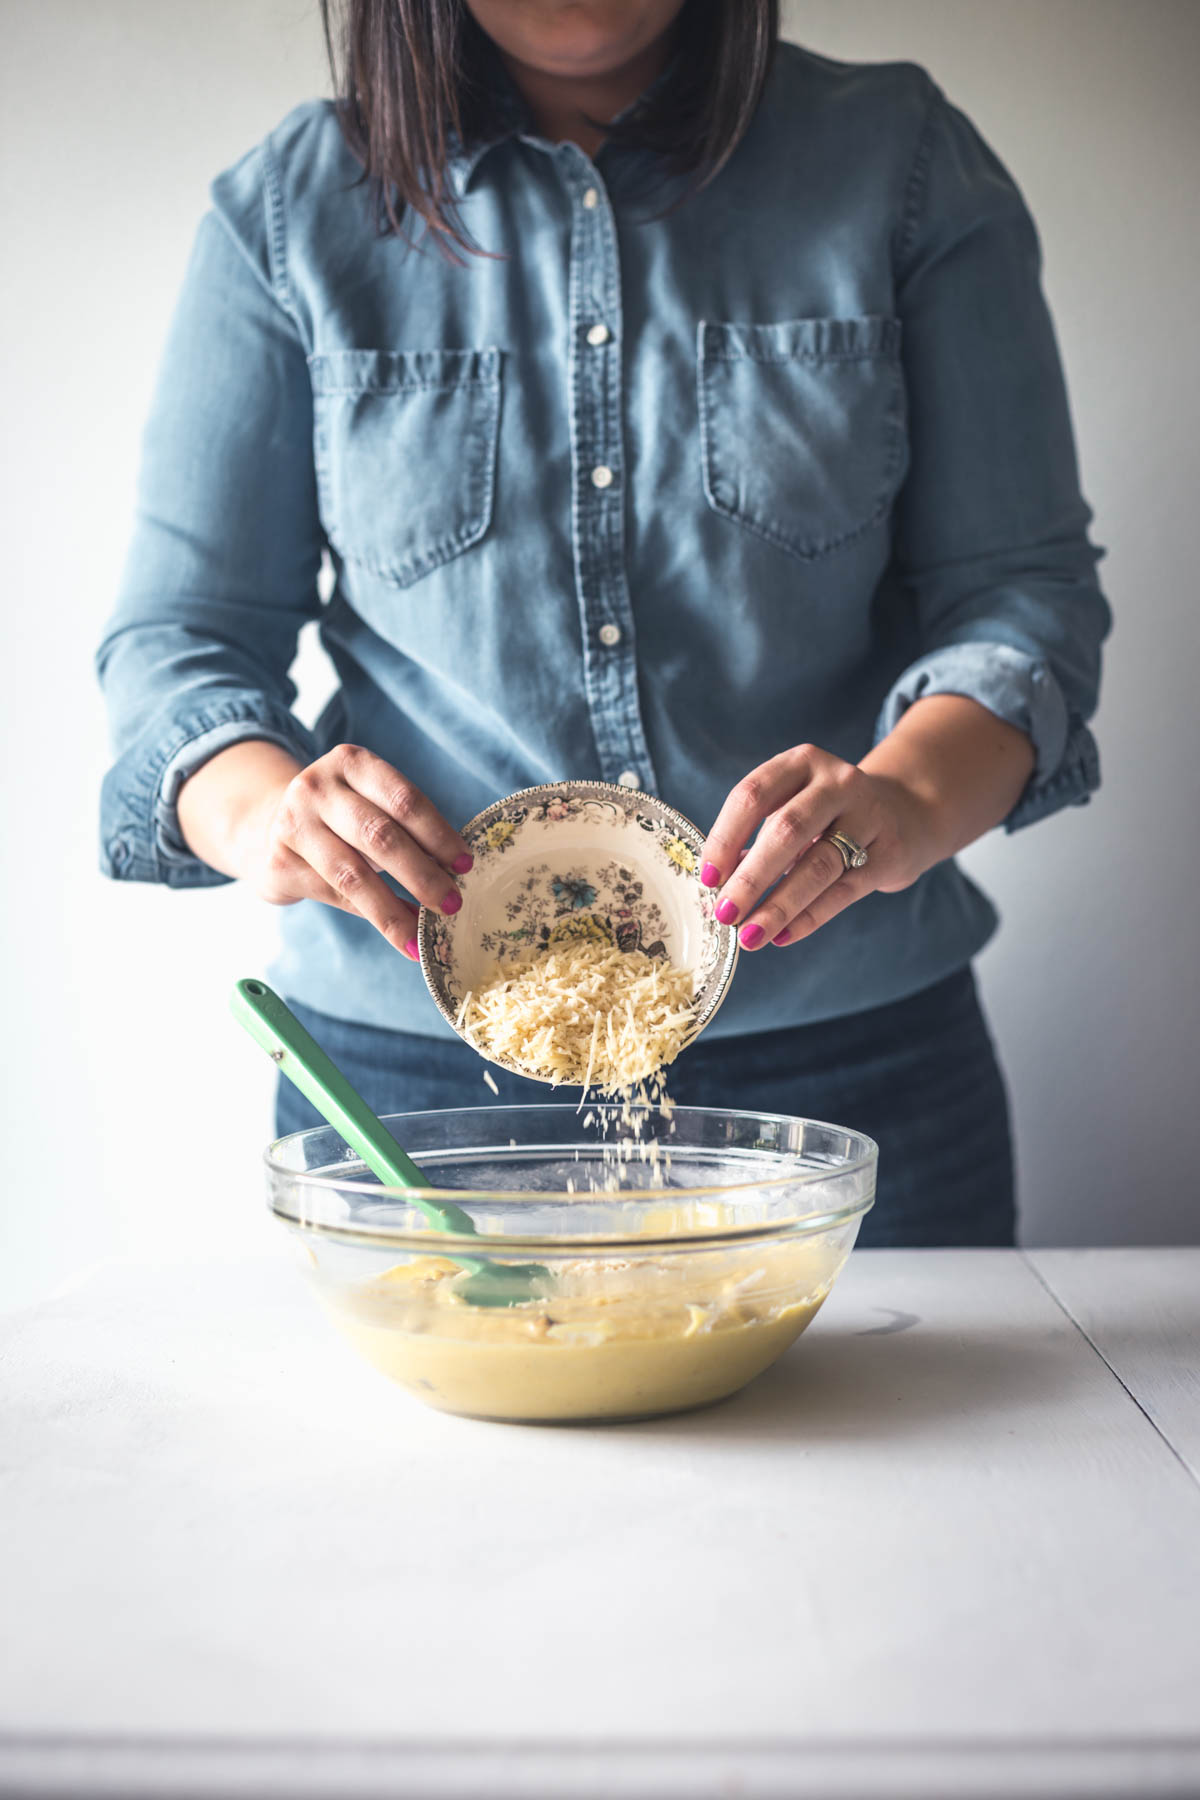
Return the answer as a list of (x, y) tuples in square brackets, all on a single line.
[(679, 1253)]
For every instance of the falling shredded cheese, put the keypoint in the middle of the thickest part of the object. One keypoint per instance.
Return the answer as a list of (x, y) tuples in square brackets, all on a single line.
[(586, 1013), (487, 1076)]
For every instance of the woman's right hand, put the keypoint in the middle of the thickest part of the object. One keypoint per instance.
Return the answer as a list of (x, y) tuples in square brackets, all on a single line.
[(328, 832)]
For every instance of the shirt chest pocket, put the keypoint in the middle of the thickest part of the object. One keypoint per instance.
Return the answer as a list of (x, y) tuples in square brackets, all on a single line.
[(405, 445), (802, 427)]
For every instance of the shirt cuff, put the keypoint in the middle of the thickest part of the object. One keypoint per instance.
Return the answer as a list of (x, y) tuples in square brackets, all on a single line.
[(1021, 690), (140, 836), (194, 754)]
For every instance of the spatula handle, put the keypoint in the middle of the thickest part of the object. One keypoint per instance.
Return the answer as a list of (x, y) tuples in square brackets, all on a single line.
[(273, 1025)]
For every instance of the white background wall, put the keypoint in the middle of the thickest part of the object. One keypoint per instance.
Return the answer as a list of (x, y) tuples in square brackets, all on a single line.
[(134, 1110)]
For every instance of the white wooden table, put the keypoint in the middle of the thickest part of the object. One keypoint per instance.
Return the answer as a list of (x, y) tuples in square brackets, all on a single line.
[(949, 1546)]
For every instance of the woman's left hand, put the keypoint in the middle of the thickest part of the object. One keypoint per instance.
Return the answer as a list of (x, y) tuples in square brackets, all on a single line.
[(796, 798)]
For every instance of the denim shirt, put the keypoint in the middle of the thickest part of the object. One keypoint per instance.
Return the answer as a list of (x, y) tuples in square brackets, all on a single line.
[(647, 494)]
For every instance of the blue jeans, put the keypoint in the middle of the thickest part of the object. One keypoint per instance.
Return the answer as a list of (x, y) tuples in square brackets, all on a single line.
[(919, 1076)]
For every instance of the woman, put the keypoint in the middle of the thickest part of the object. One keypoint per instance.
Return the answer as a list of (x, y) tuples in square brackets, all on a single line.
[(675, 409)]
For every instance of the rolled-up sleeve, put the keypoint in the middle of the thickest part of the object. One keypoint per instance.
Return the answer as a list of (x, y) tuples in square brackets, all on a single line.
[(991, 545), (226, 550)]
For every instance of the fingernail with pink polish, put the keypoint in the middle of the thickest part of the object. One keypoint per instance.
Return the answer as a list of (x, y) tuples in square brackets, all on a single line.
[(462, 864), (452, 902), (785, 937), (413, 949), (751, 936), (727, 912), (710, 875)]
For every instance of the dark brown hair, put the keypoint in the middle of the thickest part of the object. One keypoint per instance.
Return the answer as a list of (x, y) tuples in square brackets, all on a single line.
[(415, 79)]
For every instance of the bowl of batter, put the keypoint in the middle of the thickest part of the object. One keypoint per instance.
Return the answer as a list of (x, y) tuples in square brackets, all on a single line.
[(680, 1251)]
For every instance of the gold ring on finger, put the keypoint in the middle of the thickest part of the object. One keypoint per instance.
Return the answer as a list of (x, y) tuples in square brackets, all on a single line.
[(853, 855)]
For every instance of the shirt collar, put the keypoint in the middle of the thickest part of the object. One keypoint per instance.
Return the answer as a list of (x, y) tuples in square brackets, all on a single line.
[(515, 120), (512, 117)]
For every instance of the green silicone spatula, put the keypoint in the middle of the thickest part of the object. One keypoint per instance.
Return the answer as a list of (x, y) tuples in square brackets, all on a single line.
[(273, 1025)]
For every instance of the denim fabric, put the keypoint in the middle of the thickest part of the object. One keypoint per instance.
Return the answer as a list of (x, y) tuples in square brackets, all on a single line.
[(645, 495), (918, 1076)]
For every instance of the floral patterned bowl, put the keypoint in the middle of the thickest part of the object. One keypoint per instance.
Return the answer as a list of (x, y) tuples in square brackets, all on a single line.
[(578, 859)]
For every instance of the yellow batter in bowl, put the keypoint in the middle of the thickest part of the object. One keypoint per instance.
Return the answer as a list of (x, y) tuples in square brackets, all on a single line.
[(612, 1338)]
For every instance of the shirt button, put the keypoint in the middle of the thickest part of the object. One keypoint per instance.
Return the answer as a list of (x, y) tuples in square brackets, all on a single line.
[(610, 635), (597, 335), (627, 778), (602, 476), (591, 197)]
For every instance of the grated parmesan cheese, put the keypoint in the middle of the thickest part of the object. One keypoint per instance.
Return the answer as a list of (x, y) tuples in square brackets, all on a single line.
[(585, 1013)]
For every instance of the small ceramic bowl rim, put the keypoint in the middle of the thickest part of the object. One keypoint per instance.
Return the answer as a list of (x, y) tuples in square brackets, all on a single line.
[(692, 836)]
